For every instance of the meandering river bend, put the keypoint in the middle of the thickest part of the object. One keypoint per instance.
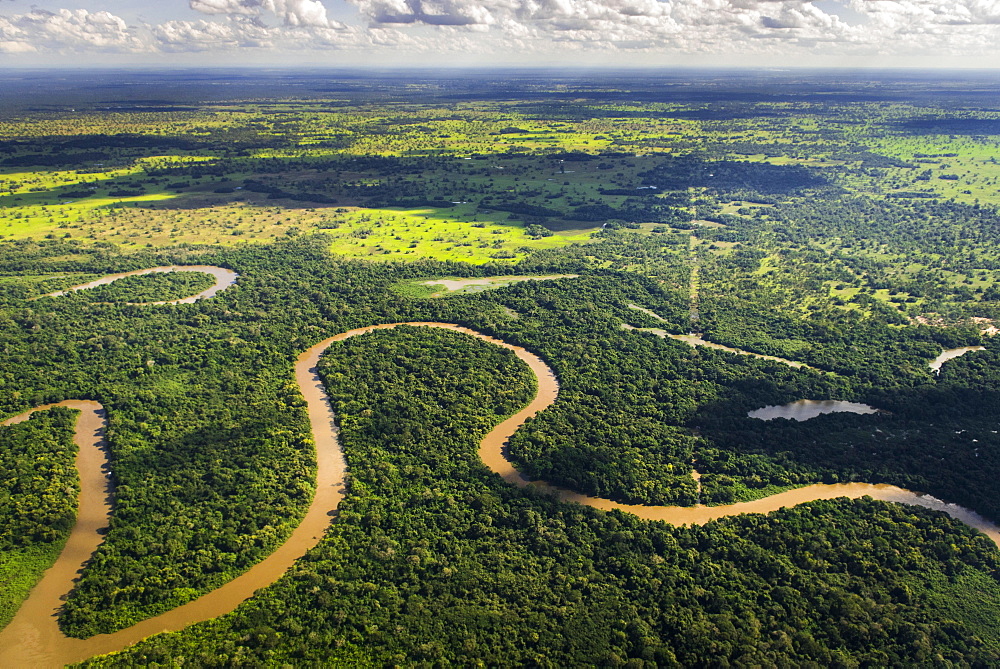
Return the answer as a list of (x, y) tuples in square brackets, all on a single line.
[(224, 278), (33, 638)]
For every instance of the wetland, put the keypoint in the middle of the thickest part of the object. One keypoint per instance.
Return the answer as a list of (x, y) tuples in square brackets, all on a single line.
[(499, 476)]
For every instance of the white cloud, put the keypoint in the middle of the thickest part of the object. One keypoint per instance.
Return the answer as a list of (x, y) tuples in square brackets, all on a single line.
[(301, 13), (447, 29), (692, 26), (66, 29), (295, 13), (922, 14), (463, 12), (209, 36), (9, 32), (245, 7), (630, 24), (14, 46)]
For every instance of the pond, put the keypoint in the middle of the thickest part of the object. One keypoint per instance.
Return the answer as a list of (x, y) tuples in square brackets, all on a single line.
[(806, 409)]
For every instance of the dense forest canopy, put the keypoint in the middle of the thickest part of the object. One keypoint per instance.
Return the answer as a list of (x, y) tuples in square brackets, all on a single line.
[(854, 233)]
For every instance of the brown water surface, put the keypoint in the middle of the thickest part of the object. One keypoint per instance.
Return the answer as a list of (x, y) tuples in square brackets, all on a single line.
[(33, 638), (224, 278), (492, 451)]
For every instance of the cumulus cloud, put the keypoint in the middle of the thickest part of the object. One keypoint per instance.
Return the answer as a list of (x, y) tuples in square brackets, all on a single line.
[(928, 13), (296, 13), (210, 36), (301, 13), (302, 24), (505, 12), (226, 7), (507, 28), (13, 39), (440, 13), (695, 25), (626, 24), (65, 29)]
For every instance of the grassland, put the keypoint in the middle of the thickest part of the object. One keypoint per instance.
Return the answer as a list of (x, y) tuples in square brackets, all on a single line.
[(472, 180), (380, 234), (816, 226), (442, 235)]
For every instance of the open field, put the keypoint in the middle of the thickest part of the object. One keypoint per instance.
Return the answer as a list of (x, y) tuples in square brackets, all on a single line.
[(368, 233), (843, 232), (450, 286)]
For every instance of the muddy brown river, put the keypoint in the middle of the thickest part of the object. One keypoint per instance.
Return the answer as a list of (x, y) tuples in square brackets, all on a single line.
[(224, 278), (33, 638)]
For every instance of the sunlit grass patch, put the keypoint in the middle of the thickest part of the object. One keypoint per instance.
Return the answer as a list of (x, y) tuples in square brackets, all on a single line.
[(458, 233), (440, 234)]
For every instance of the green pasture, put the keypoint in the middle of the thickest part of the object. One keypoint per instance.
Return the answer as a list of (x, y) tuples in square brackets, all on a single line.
[(393, 234), (969, 164), (384, 234)]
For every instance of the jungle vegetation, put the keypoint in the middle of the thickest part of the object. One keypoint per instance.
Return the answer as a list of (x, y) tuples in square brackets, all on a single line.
[(857, 233)]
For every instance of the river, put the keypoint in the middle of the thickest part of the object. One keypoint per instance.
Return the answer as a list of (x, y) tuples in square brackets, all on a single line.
[(695, 340), (224, 278), (33, 638)]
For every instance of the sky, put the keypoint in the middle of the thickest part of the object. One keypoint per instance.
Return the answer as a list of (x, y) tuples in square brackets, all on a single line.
[(462, 33)]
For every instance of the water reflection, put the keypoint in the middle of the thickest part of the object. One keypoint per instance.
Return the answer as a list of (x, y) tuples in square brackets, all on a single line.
[(806, 409)]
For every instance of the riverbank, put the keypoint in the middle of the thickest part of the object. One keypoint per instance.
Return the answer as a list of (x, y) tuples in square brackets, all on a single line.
[(224, 278), (34, 640)]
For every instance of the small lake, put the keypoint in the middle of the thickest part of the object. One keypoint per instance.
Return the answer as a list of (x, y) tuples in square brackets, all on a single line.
[(951, 354), (806, 409)]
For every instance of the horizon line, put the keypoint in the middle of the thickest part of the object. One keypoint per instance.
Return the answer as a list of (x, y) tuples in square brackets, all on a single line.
[(496, 68)]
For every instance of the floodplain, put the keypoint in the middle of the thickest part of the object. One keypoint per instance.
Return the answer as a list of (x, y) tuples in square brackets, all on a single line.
[(842, 231)]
